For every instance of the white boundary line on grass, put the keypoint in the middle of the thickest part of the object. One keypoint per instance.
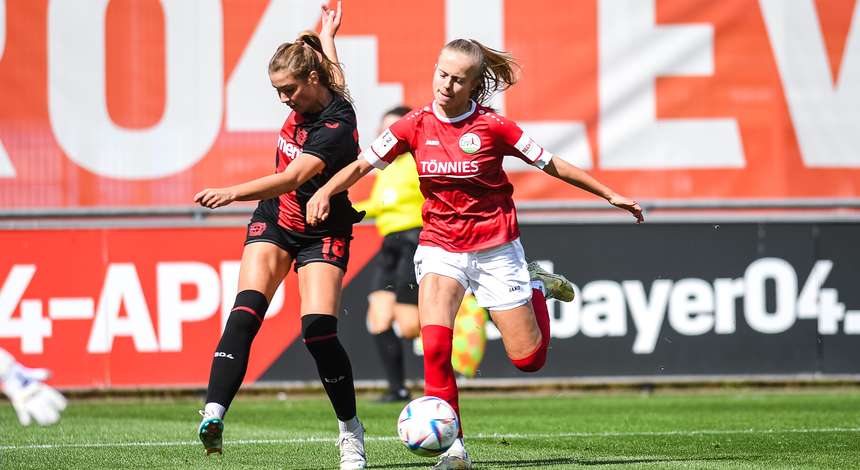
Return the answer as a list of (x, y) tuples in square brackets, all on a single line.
[(304, 440)]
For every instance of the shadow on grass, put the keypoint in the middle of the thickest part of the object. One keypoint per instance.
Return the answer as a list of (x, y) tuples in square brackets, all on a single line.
[(539, 463)]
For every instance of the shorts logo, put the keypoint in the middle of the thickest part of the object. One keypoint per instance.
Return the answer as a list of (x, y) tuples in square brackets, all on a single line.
[(514, 289), (332, 125), (301, 136), (470, 143), (333, 249), (256, 229)]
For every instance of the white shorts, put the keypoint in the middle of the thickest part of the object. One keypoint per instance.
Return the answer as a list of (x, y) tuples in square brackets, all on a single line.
[(497, 276)]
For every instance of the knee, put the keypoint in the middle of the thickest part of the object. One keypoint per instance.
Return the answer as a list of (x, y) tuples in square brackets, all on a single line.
[(533, 362), (248, 312), (317, 328)]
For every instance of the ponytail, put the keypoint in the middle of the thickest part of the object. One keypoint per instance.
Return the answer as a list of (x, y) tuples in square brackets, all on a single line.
[(497, 70), (305, 55)]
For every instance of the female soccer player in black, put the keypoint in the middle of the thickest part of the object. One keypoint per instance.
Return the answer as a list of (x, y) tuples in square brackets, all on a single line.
[(317, 140)]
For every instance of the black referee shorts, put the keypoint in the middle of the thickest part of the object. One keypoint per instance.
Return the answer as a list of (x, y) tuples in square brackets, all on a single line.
[(395, 270)]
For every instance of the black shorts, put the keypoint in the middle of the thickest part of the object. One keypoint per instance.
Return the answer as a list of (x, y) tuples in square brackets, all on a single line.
[(395, 269), (303, 248)]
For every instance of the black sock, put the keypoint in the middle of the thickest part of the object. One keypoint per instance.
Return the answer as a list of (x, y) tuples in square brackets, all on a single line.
[(391, 353), (320, 335), (231, 357)]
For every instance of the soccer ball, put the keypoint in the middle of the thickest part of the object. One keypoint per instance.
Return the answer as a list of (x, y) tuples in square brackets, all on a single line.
[(428, 426)]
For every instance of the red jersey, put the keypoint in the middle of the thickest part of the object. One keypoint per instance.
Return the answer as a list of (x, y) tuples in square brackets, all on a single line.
[(468, 204)]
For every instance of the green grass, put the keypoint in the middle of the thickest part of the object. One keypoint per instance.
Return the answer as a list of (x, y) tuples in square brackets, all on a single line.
[(731, 429)]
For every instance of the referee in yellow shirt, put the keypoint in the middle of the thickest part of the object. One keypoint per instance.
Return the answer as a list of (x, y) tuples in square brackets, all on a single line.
[(395, 204)]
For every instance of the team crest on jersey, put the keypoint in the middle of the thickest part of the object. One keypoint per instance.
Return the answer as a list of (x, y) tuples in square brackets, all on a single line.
[(470, 143), (301, 136)]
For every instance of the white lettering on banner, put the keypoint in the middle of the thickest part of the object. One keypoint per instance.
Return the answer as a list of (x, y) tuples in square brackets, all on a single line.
[(647, 314), (603, 312), (173, 311), (230, 287), (31, 327), (253, 105), (825, 116), (695, 307), (691, 307), (77, 92), (6, 168), (484, 21), (633, 52), (122, 288), (726, 291), (785, 287)]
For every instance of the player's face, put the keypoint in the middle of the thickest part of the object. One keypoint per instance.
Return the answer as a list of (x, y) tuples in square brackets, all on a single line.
[(299, 94), (453, 82)]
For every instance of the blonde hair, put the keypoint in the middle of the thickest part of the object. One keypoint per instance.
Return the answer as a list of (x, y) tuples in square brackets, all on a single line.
[(497, 70), (305, 55)]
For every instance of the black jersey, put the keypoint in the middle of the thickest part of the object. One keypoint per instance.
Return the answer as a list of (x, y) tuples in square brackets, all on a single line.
[(331, 136)]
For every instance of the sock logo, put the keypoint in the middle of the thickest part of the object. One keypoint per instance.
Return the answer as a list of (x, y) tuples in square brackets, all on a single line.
[(334, 380), (223, 354)]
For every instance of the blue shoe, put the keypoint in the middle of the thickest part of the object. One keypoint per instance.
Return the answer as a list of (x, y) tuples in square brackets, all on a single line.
[(211, 431)]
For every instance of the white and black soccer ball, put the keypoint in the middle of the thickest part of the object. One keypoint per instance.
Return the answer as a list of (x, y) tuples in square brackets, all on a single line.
[(428, 426)]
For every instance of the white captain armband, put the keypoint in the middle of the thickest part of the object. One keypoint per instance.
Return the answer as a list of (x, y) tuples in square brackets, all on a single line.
[(380, 148), (533, 152)]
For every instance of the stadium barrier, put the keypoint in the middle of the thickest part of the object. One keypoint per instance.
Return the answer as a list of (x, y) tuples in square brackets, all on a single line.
[(130, 307)]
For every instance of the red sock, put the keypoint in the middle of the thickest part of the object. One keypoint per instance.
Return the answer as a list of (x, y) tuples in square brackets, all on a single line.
[(439, 380), (535, 361)]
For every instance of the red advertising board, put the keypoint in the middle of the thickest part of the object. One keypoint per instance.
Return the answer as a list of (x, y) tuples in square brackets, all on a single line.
[(136, 307), (142, 103)]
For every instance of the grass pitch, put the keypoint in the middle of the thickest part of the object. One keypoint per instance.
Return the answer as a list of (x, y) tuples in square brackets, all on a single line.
[(731, 429)]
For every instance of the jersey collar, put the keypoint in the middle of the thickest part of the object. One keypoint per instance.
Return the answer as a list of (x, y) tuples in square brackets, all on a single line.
[(455, 118)]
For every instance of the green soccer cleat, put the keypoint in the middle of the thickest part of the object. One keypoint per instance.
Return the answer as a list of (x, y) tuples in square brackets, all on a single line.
[(211, 431), (555, 286)]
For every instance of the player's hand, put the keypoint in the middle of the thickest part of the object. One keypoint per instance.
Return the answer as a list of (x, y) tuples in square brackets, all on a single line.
[(331, 20), (629, 205), (317, 209), (32, 399), (215, 197)]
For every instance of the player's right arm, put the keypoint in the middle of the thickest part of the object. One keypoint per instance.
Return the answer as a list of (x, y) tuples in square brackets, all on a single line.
[(381, 152), (303, 168), (318, 204)]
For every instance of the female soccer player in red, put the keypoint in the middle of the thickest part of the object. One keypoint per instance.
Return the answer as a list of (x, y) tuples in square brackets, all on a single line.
[(470, 236), (318, 138)]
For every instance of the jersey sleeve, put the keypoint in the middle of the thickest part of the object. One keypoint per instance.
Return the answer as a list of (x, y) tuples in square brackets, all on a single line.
[(518, 143), (330, 142), (393, 142)]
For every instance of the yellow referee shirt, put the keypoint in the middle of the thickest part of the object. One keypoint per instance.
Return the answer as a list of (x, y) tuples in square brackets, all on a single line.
[(395, 200)]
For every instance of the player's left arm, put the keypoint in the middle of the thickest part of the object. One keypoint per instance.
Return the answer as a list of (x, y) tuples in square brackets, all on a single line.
[(330, 24), (575, 176), (521, 145), (303, 168)]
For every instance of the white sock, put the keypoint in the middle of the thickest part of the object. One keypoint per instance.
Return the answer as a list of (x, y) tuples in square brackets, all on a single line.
[(214, 409), (349, 425), (538, 284)]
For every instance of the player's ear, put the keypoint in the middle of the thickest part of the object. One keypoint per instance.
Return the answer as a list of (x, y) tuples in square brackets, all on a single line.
[(313, 78)]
